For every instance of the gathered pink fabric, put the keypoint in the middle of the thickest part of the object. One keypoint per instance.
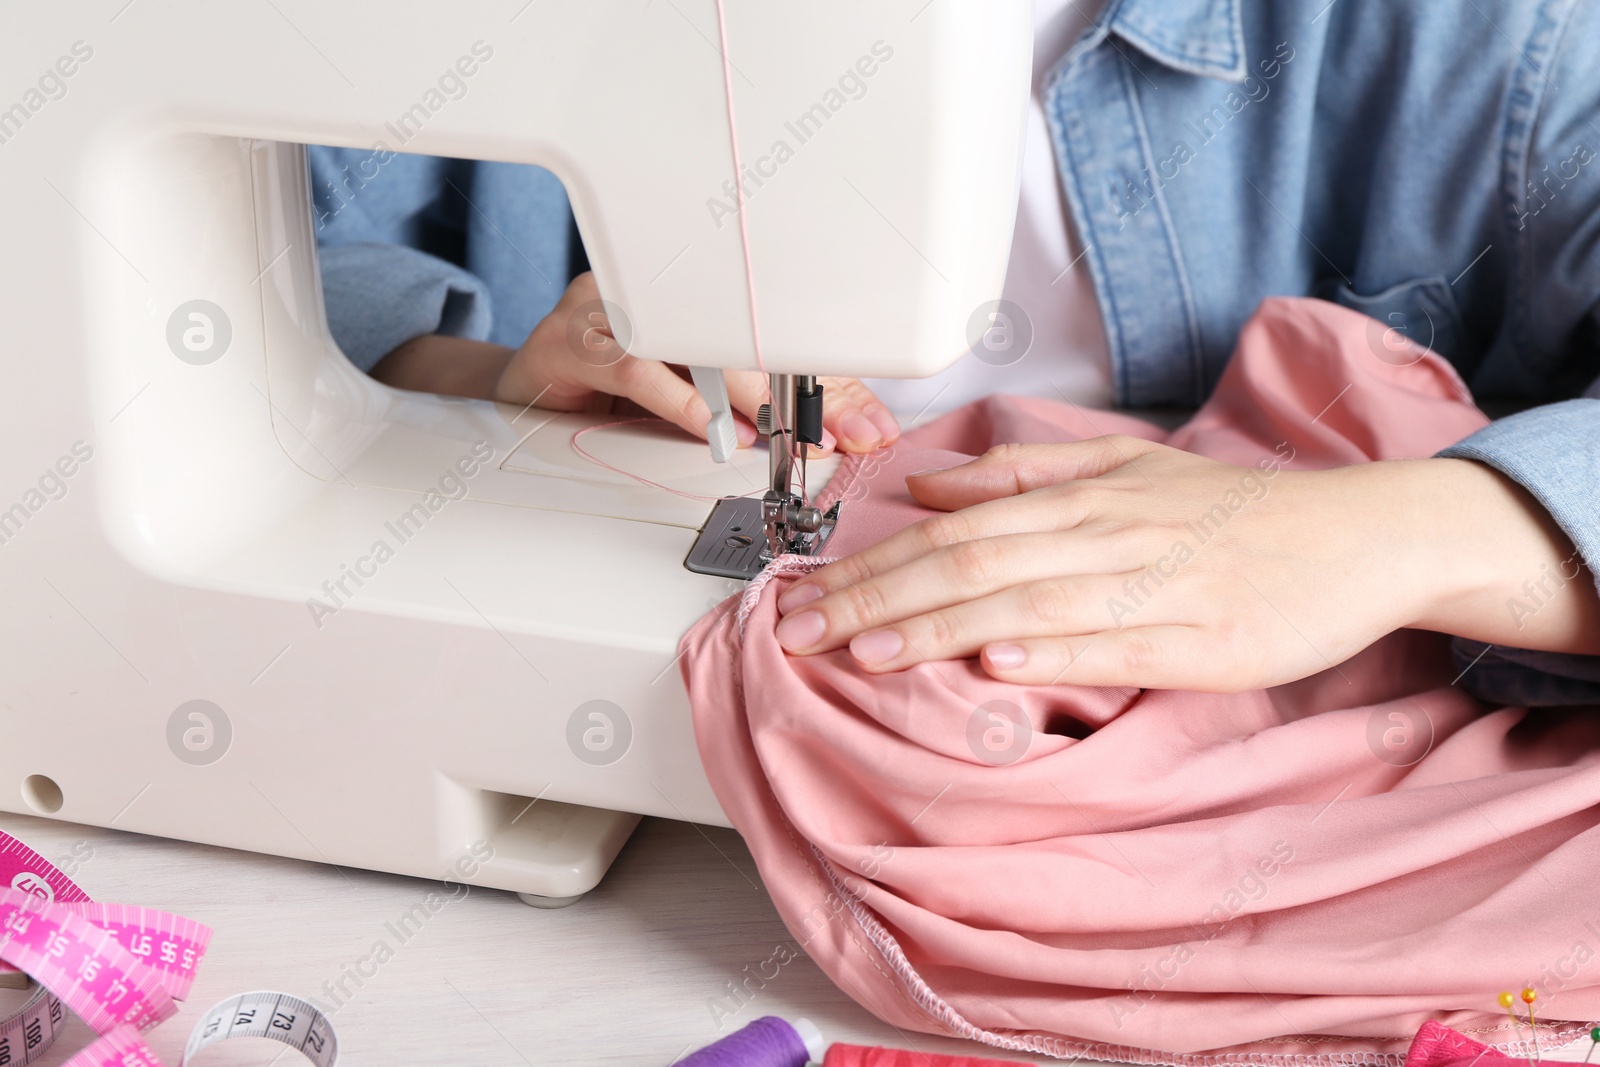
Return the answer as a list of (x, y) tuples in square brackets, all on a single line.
[(1298, 875)]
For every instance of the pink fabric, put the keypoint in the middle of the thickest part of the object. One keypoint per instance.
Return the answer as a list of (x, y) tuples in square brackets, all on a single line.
[(1440, 1046), (1298, 875)]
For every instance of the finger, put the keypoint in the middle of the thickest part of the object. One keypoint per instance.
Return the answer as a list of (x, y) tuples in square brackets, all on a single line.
[(747, 391), (654, 387), (1051, 509), (743, 415), (1008, 470), (856, 416), (931, 592), (829, 444), (1145, 657), (1051, 607), (581, 290)]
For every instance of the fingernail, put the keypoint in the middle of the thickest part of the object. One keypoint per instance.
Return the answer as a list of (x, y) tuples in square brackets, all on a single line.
[(797, 596), (801, 631), (858, 431), (879, 646), (930, 470), (1005, 657), (746, 432), (883, 420)]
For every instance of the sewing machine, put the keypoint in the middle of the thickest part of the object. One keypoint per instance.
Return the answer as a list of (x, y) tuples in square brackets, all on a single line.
[(255, 598)]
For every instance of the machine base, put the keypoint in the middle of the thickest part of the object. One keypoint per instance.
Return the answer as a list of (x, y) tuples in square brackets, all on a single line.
[(555, 853)]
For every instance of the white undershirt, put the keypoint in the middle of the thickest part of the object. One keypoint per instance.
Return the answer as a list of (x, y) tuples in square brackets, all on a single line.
[(1046, 276)]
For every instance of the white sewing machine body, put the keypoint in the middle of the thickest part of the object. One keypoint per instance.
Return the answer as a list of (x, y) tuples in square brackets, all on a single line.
[(222, 509)]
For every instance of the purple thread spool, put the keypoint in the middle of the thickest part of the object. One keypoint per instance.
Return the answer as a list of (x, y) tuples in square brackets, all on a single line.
[(768, 1042)]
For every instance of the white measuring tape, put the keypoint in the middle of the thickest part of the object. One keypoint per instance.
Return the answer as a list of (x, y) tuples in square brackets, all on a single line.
[(26, 1034), (276, 1016), (122, 969)]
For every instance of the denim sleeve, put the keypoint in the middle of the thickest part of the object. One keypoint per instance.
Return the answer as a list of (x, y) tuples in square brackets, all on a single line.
[(379, 296), (1554, 453)]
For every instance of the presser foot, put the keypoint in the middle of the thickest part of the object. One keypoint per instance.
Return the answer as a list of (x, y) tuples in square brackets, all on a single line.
[(793, 527), (736, 542), (743, 535)]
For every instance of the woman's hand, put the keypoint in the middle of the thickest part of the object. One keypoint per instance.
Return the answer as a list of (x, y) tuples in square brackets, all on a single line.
[(1116, 561), (571, 362)]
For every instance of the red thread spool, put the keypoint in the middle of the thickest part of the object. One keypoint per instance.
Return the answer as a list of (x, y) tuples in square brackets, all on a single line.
[(862, 1056)]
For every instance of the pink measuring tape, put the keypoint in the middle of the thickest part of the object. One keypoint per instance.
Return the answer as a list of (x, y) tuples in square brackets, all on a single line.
[(122, 969)]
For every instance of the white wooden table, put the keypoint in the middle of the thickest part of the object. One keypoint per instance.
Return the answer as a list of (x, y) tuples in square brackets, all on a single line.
[(630, 975)]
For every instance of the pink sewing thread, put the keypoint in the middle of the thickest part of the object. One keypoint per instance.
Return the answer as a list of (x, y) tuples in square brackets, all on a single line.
[(749, 280), (738, 188), (597, 461)]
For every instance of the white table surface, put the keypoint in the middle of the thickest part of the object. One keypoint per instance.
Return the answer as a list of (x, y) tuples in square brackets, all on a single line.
[(628, 975)]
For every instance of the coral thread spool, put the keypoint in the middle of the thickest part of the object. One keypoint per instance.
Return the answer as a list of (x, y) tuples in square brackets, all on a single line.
[(768, 1042)]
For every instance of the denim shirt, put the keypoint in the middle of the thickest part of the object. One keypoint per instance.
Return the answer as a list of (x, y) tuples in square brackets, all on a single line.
[(411, 245), (1433, 165)]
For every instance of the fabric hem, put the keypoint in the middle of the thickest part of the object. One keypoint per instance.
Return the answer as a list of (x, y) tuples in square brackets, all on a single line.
[(938, 1009)]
